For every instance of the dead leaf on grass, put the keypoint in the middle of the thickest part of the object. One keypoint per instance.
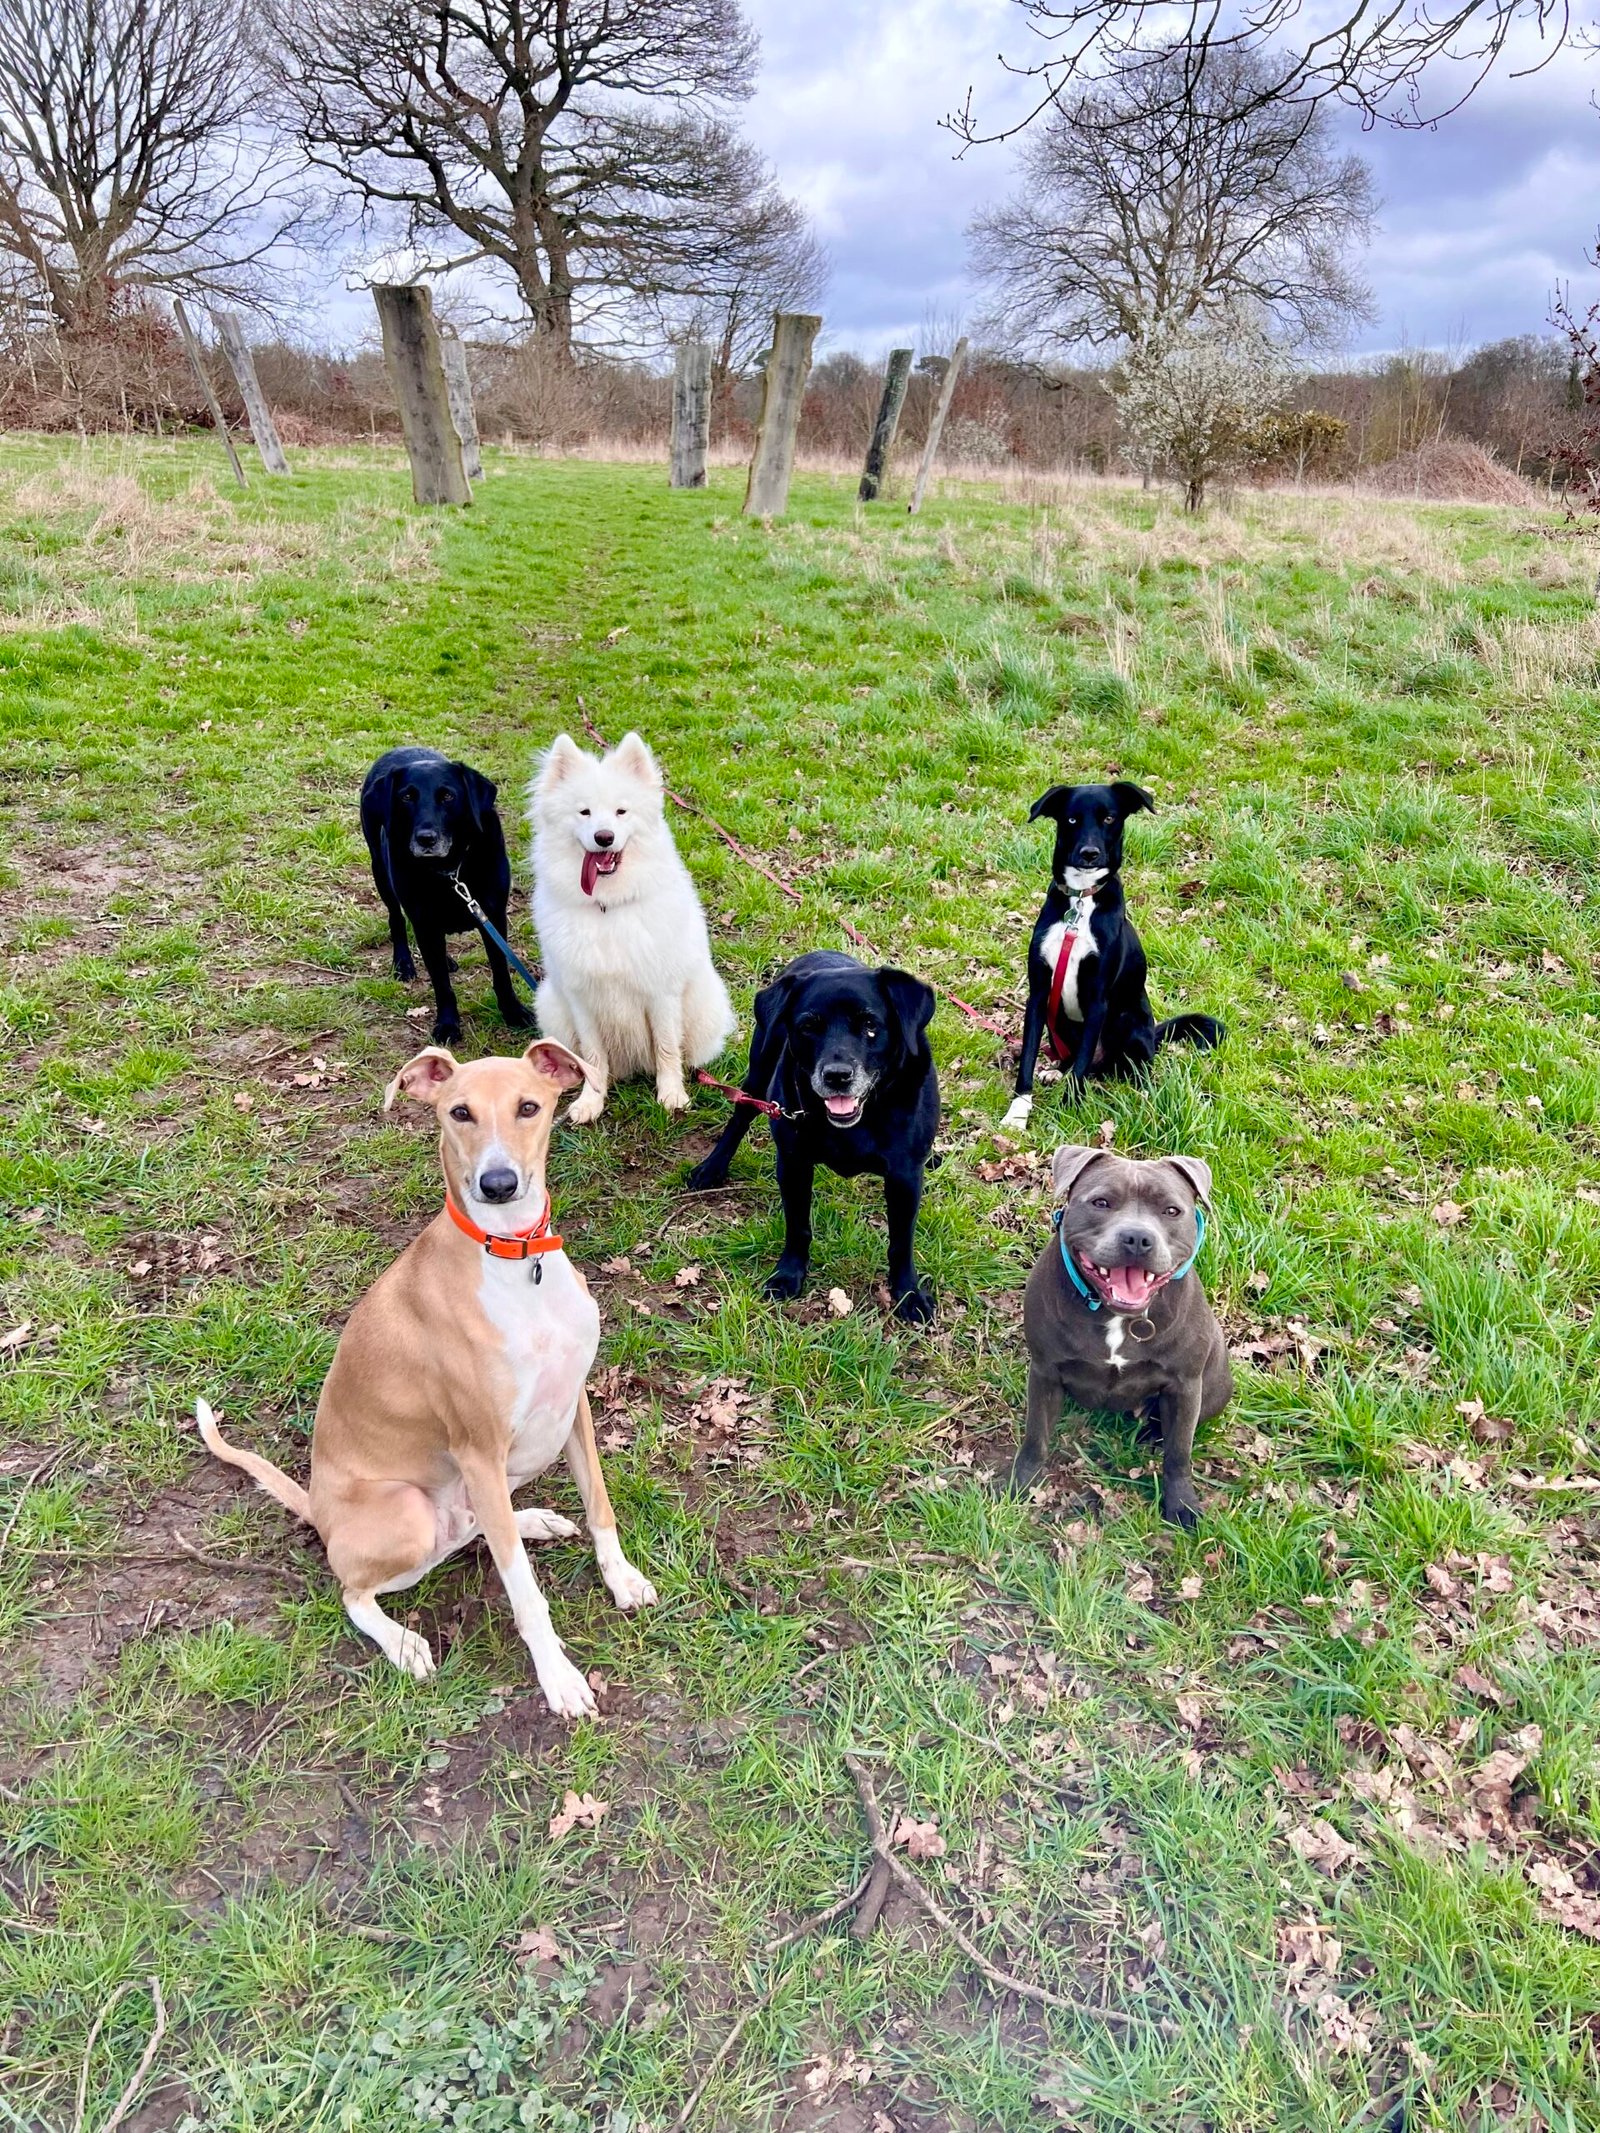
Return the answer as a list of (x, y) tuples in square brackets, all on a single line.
[(1191, 1712), (1306, 1949), (839, 1303), (620, 1263), (18, 1337), (687, 1277), (1319, 1844), (538, 1945), (578, 1813), (1341, 2026), (1190, 1588), (1562, 1901), (1139, 1585), (1448, 1213), (918, 1840)]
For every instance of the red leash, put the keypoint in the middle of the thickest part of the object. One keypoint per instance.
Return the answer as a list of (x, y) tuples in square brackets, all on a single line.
[(1068, 942), (741, 1096), (794, 897)]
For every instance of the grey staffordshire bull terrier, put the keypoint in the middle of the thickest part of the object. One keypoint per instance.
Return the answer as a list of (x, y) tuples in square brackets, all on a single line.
[(1115, 1317)]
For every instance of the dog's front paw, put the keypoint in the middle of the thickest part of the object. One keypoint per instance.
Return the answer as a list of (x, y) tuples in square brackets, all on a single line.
[(671, 1094), (630, 1588), (447, 1030), (565, 1690), (545, 1526), (706, 1176), (1022, 1473), (914, 1306), (515, 1016), (412, 1656), (1017, 1117), (586, 1108), (1181, 1507), (404, 969), (785, 1282)]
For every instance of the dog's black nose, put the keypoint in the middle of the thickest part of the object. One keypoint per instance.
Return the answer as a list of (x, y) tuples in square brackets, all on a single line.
[(425, 840), (1089, 855), (497, 1185), (605, 839), (1135, 1244), (837, 1077)]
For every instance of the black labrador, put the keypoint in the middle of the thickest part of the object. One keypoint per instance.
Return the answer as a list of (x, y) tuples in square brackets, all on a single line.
[(843, 1052), (426, 819), (1086, 966)]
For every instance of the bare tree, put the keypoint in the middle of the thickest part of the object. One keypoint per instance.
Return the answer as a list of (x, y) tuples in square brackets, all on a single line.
[(577, 146), (772, 261), (1403, 62), (1170, 193), (128, 159)]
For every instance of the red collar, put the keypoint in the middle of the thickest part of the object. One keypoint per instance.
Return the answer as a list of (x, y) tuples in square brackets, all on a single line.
[(521, 1244)]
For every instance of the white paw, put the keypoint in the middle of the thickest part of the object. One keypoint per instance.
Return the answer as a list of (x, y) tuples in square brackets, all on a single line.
[(630, 1588), (412, 1656), (565, 1690), (1020, 1112), (544, 1526), (672, 1096), (586, 1109)]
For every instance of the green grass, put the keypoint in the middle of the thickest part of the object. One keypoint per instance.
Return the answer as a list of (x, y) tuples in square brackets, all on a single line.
[(1373, 734)]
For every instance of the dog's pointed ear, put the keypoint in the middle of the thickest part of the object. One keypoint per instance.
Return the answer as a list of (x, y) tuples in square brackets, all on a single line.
[(558, 1064), (1049, 803), (480, 794), (1198, 1174), (560, 760), (1068, 1164), (1131, 799), (421, 1078), (632, 754), (911, 1003)]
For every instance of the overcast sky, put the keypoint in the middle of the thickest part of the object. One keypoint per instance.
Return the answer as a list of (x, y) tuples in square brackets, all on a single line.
[(1481, 216)]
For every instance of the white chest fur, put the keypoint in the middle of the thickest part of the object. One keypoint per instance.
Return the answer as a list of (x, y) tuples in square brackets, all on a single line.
[(548, 1332), (1114, 1337), (1082, 947)]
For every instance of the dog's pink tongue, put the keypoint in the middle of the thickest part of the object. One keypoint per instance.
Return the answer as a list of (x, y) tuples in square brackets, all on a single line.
[(1130, 1286), (591, 871), (840, 1106)]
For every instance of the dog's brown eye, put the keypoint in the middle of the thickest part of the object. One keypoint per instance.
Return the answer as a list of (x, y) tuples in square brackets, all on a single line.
[(1099, 1201), (460, 1111), (527, 1108), (1174, 1210)]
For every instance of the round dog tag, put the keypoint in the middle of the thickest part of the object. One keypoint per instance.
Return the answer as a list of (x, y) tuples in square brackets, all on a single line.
[(1142, 1329)]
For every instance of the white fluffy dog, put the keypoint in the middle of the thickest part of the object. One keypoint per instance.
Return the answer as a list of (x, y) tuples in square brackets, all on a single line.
[(629, 985)]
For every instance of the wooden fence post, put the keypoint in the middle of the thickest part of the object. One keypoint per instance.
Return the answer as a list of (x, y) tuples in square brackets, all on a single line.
[(242, 363), (416, 364), (459, 387), (936, 427), (192, 346), (783, 388), (895, 380), (691, 415)]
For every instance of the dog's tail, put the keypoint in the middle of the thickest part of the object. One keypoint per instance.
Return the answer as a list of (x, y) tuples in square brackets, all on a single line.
[(1204, 1032), (261, 1471)]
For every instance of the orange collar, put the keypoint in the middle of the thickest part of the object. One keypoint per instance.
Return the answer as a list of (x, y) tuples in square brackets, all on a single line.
[(522, 1244)]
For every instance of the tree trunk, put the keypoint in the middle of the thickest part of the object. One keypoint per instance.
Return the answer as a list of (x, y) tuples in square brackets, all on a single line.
[(416, 366), (881, 443), (783, 389), (691, 415)]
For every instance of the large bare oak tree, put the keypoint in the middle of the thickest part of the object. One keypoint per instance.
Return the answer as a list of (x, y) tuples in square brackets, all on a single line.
[(1172, 192), (580, 147)]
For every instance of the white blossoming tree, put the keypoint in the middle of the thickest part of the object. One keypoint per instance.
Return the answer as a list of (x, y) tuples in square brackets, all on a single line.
[(1190, 399)]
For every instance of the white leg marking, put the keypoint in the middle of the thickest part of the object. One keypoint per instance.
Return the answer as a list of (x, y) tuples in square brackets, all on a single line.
[(1020, 1112), (630, 1588), (1114, 1354), (402, 1647), (565, 1690), (545, 1526)]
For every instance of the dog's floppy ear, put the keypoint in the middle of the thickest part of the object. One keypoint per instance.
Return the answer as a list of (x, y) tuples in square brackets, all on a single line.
[(1197, 1172), (421, 1078), (556, 1063), (559, 761), (480, 796), (1131, 799), (1050, 803), (911, 1003), (1067, 1165), (632, 755)]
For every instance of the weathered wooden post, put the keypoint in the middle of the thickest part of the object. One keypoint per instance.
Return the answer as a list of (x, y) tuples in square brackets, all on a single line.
[(416, 364), (783, 389), (459, 387), (192, 347), (895, 380), (691, 415), (936, 427), (243, 365)]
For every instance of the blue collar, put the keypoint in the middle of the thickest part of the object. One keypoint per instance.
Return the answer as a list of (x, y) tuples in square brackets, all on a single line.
[(1090, 1298)]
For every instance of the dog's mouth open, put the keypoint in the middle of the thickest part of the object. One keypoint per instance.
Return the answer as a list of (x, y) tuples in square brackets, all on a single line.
[(1125, 1288), (597, 863), (844, 1110)]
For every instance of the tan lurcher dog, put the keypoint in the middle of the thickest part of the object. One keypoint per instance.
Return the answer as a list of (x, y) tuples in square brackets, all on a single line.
[(460, 1376)]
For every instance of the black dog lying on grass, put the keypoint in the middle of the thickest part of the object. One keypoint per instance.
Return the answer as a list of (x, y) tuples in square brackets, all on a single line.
[(425, 819), (843, 1052), (1086, 966)]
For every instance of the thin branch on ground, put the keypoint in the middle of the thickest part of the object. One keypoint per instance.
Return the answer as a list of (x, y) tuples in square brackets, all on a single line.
[(819, 1918), (125, 2101)]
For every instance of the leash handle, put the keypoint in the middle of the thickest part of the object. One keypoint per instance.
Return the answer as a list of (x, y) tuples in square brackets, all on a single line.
[(493, 931)]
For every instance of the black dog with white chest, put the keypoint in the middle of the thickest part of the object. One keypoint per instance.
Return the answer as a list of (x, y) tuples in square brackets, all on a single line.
[(842, 1051), (426, 819), (1086, 964)]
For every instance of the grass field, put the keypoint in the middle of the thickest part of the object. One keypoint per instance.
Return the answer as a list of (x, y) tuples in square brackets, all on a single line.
[(1305, 1803)]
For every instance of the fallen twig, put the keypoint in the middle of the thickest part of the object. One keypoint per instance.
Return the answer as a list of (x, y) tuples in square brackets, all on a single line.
[(721, 2053), (125, 2100), (223, 1562), (819, 1918), (906, 1880), (38, 1474), (87, 1558)]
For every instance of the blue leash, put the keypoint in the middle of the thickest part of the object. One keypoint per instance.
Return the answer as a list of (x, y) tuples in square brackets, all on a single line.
[(1083, 1288), (494, 933)]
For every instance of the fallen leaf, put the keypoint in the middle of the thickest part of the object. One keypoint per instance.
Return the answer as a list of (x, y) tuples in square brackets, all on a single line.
[(1319, 1844), (1448, 1213), (1304, 1947), (18, 1336), (1191, 1712), (1441, 1582), (538, 1945), (244, 1101), (575, 1813), (1341, 2026), (1140, 1586), (687, 1277), (918, 1840), (1477, 1683), (1300, 1781), (1190, 1588), (1105, 1133), (620, 1263), (839, 1304)]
